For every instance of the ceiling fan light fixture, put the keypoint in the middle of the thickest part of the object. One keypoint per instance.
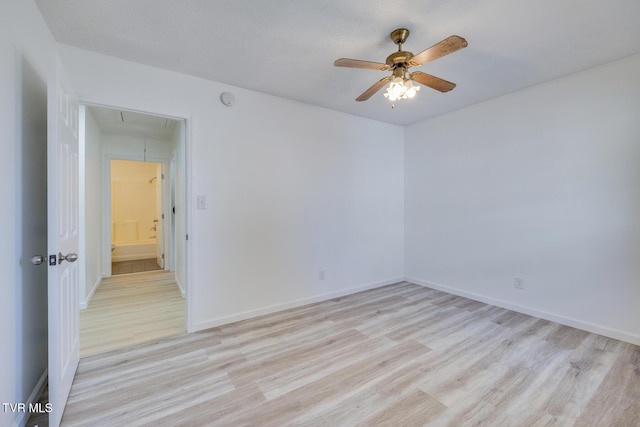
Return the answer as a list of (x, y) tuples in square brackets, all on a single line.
[(401, 88), (401, 82)]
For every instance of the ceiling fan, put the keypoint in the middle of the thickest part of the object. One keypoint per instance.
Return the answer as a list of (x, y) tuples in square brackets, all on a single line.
[(401, 81)]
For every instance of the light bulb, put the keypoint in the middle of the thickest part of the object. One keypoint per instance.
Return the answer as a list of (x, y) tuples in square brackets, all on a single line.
[(397, 87), (401, 88), (411, 89)]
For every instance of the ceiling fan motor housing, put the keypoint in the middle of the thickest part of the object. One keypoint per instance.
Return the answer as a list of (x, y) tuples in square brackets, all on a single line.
[(401, 57)]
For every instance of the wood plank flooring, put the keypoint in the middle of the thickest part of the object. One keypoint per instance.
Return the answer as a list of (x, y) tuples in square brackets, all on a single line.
[(131, 309), (136, 266), (400, 355)]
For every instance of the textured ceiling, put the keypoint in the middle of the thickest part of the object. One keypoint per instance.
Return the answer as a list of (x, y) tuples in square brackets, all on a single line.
[(131, 123), (287, 47)]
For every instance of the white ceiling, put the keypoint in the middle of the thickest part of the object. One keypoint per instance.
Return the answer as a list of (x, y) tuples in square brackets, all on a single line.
[(287, 47), (131, 123)]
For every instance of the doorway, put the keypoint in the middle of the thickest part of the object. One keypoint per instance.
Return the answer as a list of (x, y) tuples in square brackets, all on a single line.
[(137, 217), (134, 177)]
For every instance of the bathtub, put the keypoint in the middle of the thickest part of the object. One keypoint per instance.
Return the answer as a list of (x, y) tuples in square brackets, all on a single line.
[(129, 251)]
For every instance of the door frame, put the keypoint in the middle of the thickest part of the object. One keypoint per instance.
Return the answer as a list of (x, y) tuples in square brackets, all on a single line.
[(167, 246), (187, 119)]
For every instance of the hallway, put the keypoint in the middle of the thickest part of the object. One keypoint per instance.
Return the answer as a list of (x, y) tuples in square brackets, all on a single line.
[(132, 309)]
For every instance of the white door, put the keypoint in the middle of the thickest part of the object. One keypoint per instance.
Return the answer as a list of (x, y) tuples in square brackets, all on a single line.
[(62, 212), (159, 216)]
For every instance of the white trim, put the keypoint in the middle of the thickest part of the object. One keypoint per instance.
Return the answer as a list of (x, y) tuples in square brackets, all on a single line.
[(189, 219), (82, 205), (107, 257), (84, 304), (23, 417), (182, 291), (553, 317), (291, 304)]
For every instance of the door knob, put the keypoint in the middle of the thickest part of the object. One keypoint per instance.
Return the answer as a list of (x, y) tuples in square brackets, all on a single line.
[(38, 259), (71, 257)]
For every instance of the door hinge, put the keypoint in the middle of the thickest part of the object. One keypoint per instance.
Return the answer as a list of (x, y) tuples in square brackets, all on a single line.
[(162, 216), (162, 256), (187, 237), (162, 176)]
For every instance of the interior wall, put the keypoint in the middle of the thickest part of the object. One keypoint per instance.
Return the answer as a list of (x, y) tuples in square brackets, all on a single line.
[(92, 207), (542, 185), (132, 147), (27, 62), (32, 297), (290, 190)]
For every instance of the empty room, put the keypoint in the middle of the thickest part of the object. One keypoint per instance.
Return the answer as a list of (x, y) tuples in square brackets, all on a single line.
[(377, 213)]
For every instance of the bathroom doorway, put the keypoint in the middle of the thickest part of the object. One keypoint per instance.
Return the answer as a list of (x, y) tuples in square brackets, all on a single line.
[(137, 217)]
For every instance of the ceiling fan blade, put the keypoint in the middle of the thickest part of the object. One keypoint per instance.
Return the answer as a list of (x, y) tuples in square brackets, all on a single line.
[(356, 63), (449, 45), (432, 81), (373, 89)]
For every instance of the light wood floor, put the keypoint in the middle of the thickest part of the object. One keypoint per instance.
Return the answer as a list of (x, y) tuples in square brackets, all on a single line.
[(131, 309), (135, 266), (400, 355)]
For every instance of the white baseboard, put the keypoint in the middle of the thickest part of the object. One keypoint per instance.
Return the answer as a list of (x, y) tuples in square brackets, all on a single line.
[(84, 304), (553, 317), (23, 417), (212, 323), (182, 291)]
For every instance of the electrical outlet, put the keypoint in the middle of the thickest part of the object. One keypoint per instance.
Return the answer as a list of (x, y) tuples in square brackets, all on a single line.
[(518, 283), (321, 274)]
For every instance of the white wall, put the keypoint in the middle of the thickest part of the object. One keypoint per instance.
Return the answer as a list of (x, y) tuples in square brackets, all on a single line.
[(540, 184), (92, 207), (27, 55), (291, 189)]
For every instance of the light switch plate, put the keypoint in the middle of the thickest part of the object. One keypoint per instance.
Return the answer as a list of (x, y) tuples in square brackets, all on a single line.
[(201, 202)]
